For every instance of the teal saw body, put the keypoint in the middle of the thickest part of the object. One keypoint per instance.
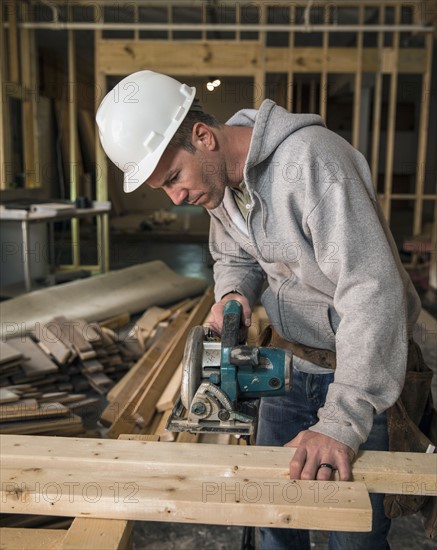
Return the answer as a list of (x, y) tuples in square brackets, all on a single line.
[(223, 381)]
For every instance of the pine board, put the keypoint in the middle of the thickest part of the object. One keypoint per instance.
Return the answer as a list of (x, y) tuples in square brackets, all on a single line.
[(26, 539), (185, 498), (382, 472)]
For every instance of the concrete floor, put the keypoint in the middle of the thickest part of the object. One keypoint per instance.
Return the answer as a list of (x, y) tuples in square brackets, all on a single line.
[(192, 259)]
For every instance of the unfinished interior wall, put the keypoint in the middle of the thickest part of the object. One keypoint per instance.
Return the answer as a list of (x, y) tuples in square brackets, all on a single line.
[(365, 66)]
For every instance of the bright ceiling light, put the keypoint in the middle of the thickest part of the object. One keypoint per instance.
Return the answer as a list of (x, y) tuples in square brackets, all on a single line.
[(213, 83)]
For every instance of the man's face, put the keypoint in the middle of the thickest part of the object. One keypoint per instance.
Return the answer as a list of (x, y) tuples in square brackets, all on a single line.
[(198, 178)]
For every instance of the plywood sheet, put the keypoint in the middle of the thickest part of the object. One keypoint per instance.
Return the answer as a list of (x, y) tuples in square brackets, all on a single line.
[(132, 289)]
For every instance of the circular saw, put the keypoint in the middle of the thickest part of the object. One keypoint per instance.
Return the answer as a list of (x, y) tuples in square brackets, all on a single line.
[(222, 381)]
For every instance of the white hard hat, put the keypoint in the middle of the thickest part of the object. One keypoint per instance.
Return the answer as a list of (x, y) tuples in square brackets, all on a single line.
[(137, 120)]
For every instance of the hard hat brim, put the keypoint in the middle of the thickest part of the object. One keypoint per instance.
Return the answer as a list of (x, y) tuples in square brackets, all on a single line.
[(142, 171)]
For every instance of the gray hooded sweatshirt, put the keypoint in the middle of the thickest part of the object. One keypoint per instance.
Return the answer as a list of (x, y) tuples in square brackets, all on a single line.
[(316, 236)]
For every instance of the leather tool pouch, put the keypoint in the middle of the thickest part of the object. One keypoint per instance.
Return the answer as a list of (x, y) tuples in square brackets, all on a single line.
[(412, 427)]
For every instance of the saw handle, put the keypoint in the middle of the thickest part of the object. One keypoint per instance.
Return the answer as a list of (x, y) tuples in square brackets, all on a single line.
[(231, 324)]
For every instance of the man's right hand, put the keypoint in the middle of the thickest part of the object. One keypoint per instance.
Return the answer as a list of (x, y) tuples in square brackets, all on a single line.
[(215, 319)]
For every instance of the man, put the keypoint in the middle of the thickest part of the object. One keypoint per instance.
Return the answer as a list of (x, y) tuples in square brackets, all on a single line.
[(294, 218)]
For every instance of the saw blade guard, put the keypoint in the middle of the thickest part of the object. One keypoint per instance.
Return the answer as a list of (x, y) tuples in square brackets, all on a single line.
[(192, 365)]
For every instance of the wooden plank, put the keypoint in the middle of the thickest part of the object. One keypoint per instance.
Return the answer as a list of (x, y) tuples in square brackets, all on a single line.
[(181, 498), (7, 396), (117, 321), (39, 363), (44, 411), (118, 412), (97, 534), (161, 431), (127, 385), (151, 317), (8, 354), (217, 56), (170, 394), (382, 472), (139, 437), (24, 539), (22, 404), (145, 407), (64, 426)]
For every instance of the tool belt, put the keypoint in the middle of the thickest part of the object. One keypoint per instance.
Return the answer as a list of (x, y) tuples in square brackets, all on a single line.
[(321, 357), (411, 421)]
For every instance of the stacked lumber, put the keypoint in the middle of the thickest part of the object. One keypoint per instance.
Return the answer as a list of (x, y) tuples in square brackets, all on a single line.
[(133, 401), (97, 351), (51, 380)]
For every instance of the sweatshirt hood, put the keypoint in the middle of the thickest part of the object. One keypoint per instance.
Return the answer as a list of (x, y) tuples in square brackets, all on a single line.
[(271, 126)]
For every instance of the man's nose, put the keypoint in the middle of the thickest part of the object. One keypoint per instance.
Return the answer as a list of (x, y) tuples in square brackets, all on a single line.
[(177, 196)]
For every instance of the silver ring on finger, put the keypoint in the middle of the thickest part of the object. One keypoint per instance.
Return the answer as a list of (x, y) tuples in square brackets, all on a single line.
[(326, 465)]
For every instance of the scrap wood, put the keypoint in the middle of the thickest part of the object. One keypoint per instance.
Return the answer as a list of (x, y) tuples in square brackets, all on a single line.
[(72, 334), (161, 431), (116, 322), (151, 317), (146, 404), (8, 396), (38, 364), (120, 410), (171, 391), (44, 410), (54, 347), (19, 405), (8, 353), (129, 386)]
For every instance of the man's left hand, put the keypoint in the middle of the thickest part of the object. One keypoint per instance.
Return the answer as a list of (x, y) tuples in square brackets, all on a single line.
[(314, 449)]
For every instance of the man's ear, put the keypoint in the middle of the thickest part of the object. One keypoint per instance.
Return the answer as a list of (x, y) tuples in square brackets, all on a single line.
[(203, 137)]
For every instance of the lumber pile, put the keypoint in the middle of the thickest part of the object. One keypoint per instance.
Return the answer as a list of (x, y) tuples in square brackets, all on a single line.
[(50, 380), (133, 401)]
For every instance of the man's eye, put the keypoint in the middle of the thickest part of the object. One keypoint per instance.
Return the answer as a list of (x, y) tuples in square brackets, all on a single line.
[(174, 178)]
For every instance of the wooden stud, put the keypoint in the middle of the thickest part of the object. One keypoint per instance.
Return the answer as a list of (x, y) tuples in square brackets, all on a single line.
[(358, 84), (73, 159), (14, 65), (29, 107), (101, 160), (4, 146), (324, 73), (423, 138), (97, 534), (391, 125), (377, 104)]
